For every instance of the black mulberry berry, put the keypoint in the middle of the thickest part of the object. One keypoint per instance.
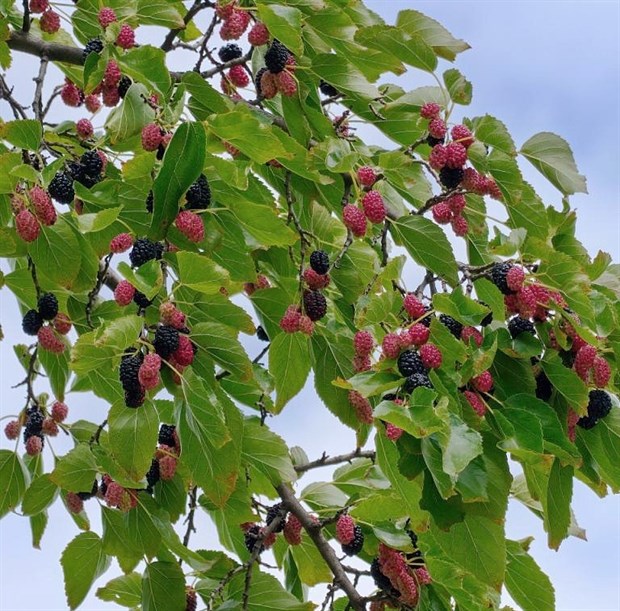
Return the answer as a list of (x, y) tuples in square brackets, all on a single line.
[(326, 89), (499, 271), (89, 495), (124, 85), (166, 341), (229, 52), (262, 334), (315, 304), (257, 78), (488, 319), (409, 362), (149, 202), (141, 300), (587, 422), (276, 57), (416, 380), (32, 322), (432, 141), (152, 475), (319, 262), (128, 370), (251, 537), (355, 547), (91, 162), (92, 46), (454, 326), (61, 188), (166, 435), (134, 398), (518, 325), (48, 306), (381, 581), (599, 404), (34, 423), (451, 177), (145, 250), (543, 387), (198, 196), (272, 513)]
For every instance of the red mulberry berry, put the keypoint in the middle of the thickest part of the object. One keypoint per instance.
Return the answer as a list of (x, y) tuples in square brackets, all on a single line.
[(50, 428), (50, 22), (391, 345), (48, 340), (258, 35), (306, 326), (12, 429), (362, 407), (286, 84), (126, 37), (84, 129), (112, 75), (292, 530), (290, 321), (526, 302), (437, 128), (38, 6), (315, 281), (238, 76), (471, 333), (234, 27), (27, 226), (374, 208), (456, 155), (366, 176), (361, 363), (461, 134), (70, 94), (184, 354), (460, 226), (62, 324), (423, 576), (483, 382), (111, 96), (601, 371), (418, 334), (430, 110), (225, 8), (515, 278), (59, 411), (148, 373), (456, 203), (121, 243), (354, 219), (474, 182), (345, 529), (167, 467), (92, 103), (124, 293), (493, 189), (438, 157), (74, 503), (191, 600), (151, 137), (476, 402), (106, 17), (43, 206), (34, 445), (413, 306), (268, 85), (442, 213), (392, 432), (431, 356), (363, 343), (190, 225)]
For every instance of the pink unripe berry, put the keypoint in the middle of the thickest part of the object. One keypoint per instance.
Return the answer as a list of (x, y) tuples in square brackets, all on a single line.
[(471, 333), (306, 326), (70, 94), (476, 402), (27, 226), (456, 203), (437, 128), (461, 134), (84, 129), (362, 363), (59, 411), (124, 293), (374, 208), (362, 407), (430, 110), (515, 278), (456, 155), (92, 102), (483, 382), (38, 6), (62, 323), (167, 467), (74, 503), (43, 206), (151, 137), (354, 219), (48, 340), (419, 334), (345, 529), (438, 157), (290, 321), (292, 530), (238, 76), (392, 432), (34, 445), (442, 213), (366, 176), (258, 35), (314, 280), (363, 343), (121, 243), (286, 83), (126, 37), (184, 354), (431, 356), (50, 22), (50, 427), (413, 306), (106, 17), (190, 225), (391, 345), (601, 372), (460, 226), (12, 429)]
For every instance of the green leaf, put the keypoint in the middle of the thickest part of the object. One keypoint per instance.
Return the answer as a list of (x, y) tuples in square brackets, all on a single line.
[(459, 306), (97, 221), (289, 364), (221, 344), (23, 134), (131, 116), (148, 278), (551, 155), (427, 244), (14, 476), (57, 369), (345, 77), (410, 49), (284, 23), (557, 506), (163, 587), (310, 564), (125, 590), (76, 470), (144, 537), (418, 419), (458, 86), (133, 435), (460, 446), (432, 32), (526, 582), (493, 132), (39, 496), (147, 65), (603, 443), (82, 562), (566, 382), (181, 166), (201, 273), (267, 452), (159, 12)]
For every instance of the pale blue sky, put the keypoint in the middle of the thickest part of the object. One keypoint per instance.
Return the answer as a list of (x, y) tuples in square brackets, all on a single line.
[(538, 66)]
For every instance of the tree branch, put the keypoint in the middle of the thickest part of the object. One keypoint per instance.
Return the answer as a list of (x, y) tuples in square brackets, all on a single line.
[(27, 43), (191, 13), (325, 549), (326, 460)]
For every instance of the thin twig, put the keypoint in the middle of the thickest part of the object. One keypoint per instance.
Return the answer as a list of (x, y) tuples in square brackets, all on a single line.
[(326, 460), (193, 10), (92, 296), (190, 517), (37, 106)]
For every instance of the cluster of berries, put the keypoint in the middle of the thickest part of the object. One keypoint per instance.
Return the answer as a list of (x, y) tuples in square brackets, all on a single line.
[(37, 425), (590, 367), (450, 211), (254, 533), (116, 495), (599, 406), (32, 209), (278, 74), (372, 208), (349, 535), (75, 500), (399, 575), (482, 383), (164, 463), (49, 22), (197, 197), (49, 334)]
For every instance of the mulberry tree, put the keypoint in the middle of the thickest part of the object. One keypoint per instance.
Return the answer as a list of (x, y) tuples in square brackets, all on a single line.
[(188, 216)]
